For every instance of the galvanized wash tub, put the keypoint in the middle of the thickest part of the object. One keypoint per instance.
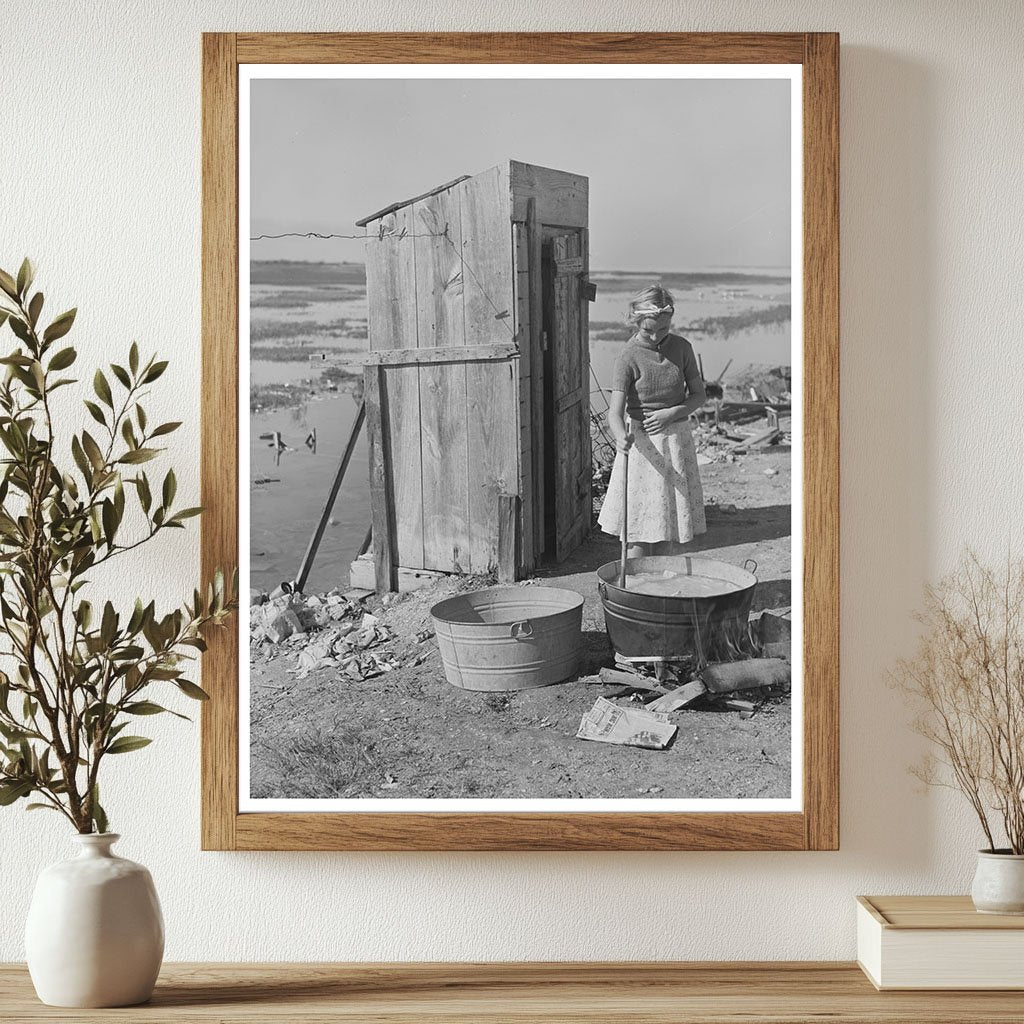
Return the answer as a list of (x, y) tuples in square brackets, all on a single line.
[(652, 627), (509, 639)]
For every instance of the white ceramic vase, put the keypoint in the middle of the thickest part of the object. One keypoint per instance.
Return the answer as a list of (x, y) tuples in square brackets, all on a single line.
[(999, 883), (95, 933)]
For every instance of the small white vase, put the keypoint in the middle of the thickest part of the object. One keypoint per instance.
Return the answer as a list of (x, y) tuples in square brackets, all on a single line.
[(95, 933), (999, 882)]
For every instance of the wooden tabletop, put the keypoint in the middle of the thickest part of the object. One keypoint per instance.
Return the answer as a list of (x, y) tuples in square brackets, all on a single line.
[(659, 993)]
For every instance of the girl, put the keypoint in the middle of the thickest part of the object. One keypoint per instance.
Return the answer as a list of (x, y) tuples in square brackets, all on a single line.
[(657, 384)]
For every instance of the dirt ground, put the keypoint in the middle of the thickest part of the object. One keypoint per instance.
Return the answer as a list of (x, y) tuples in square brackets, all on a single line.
[(408, 733)]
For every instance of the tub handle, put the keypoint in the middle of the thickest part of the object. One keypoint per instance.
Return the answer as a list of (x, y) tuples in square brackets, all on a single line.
[(521, 630), (602, 589), (750, 565)]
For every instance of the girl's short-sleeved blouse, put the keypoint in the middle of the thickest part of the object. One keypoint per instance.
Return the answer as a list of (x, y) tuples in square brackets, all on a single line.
[(656, 377)]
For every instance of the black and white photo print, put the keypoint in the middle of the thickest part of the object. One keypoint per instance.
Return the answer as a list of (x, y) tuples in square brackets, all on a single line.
[(523, 502)]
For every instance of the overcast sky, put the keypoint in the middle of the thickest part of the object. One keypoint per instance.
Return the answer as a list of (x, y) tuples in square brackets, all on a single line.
[(684, 174)]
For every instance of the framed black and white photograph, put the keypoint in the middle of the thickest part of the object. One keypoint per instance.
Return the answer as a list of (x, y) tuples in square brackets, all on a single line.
[(534, 495)]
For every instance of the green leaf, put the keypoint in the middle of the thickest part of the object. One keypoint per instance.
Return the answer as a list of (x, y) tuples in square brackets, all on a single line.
[(185, 513), (126, 744), (165, 428), (92, 449), (121, 374), (133, 358), (35, 308), (170, 488), (83, 613), (20, 328), (154, 371), (191, 690), (128, 433), (17, 359), (140, 415), (81, 461), (109, 521), (60, 326), (139, 455), (95, 412), (108, 625), (14, 790), (63, 359), (143, 707), (26, 274), (41, 807), (102, 388), (8, 284), (99, 816), (147, 707), (145, 497)]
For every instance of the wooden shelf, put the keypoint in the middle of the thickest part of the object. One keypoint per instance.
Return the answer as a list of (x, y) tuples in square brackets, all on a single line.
[(657, 993)]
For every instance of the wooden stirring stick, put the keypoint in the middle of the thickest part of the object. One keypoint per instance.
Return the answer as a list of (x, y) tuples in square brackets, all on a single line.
[(625, 520)]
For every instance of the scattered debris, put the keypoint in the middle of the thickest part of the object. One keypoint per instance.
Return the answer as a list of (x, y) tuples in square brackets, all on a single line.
[(606, 722), (678, 698), (631, 679), (739, 705), (748, 674)]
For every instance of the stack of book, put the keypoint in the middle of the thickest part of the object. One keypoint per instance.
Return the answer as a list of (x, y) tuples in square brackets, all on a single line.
[(938, 942)]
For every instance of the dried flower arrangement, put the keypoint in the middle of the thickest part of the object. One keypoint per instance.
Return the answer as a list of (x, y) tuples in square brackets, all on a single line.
[(967, 679)]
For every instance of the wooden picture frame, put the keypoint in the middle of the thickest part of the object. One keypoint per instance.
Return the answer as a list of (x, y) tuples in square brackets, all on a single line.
[(816, 826)]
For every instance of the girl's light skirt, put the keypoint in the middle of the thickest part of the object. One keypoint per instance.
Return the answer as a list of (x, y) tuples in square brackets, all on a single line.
[(666, 500)]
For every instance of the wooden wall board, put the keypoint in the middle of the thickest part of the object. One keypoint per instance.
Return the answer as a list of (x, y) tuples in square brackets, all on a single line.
[(537, 424), (443, 438), (400, 405), (444, 444), (391, 314), (562, 198), (380, 499), (487, 258), (521, 279), (437, 246), (492, 415), (493, 453), (571, 398)]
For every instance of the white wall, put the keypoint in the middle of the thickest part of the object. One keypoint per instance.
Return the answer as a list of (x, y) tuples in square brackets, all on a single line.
[(100, 183)]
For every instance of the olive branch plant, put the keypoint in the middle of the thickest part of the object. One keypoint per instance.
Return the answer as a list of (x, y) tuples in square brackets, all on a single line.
[(966, 680), (80, 674)]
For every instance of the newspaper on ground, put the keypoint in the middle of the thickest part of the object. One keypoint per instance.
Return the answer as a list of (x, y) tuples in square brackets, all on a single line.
[(606, 722)]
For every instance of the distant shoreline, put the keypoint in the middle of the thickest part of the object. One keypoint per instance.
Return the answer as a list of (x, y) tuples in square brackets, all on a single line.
[(311, 272)]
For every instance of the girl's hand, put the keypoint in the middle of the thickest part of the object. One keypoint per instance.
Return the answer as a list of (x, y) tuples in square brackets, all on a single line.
[(624, 443), (658, 419)]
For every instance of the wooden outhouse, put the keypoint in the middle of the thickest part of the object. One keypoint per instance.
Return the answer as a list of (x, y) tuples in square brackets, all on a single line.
[(477, 379)]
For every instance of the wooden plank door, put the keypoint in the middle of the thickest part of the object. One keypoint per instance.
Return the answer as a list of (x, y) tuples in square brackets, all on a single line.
[(570, 396)]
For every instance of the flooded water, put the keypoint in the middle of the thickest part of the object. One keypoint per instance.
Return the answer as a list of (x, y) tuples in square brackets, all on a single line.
[(300, 309), (288, 491)]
